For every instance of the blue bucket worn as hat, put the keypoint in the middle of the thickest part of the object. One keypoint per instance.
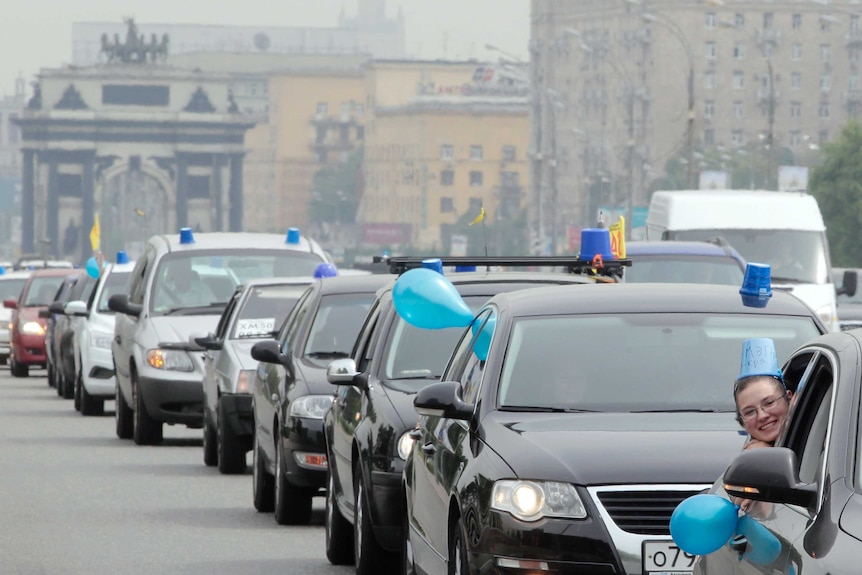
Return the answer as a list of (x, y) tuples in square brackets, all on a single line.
[(759, 358)]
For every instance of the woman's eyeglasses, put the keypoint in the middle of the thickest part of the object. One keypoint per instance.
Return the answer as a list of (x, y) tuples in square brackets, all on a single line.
[(768, 405)]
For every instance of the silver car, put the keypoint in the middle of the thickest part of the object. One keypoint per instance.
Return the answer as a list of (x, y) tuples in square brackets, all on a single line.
[(255, 312), (177, 292)]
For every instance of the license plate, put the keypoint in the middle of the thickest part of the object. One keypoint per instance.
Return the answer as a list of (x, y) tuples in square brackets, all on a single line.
[(661, 557)]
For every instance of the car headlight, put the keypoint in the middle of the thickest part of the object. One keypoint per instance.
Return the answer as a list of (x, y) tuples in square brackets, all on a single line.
[(101, 339), (311, 406), (244, 380), (532, 500), (405, 444), (32, 328), (170, 359)]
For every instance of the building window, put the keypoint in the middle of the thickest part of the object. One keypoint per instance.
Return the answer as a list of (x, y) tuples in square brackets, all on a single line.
[(795, 110), (823, 137), (738, 80), (322, 155), (737, 138), (853, 82), (710, 50), (447, 177), (709, 80), (322, 109), (823, 111), (853, 53), (767, 20), (739, 21), (708, 109), (825, 53), (853, 109), (796, 21), (360, 133), (825, 83), (14, 130), (476, 152), (710, 20), (446, 152), (795, 81), (447, 205), (825, 23), (346, 107), (739, 51), (795, 138), (709, 137), (738, 109), (796, 52), (508, 179), (854, 24), (510, 153), (475, 205), (475, 178)]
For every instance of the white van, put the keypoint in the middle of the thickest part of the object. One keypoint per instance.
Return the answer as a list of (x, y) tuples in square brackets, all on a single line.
[(783, 229)]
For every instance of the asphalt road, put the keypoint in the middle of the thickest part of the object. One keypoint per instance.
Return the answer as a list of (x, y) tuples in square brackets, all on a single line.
[(74, 499)]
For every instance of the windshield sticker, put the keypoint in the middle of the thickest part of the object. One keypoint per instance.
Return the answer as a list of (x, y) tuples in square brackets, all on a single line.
[(253, 327)]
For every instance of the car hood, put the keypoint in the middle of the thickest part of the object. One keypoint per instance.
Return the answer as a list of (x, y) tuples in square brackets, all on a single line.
[(101, 322), (179, 328), (615, 448)]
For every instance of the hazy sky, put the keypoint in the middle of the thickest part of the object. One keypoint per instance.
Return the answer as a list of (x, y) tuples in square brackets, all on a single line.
[(38, 33)]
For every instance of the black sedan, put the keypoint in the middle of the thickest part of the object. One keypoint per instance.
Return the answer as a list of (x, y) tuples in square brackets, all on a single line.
[(565, 443), (809, 487), (291, 394), (368, 429)]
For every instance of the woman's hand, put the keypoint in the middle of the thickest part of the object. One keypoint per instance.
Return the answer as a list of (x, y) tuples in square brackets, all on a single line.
[(755, 444)]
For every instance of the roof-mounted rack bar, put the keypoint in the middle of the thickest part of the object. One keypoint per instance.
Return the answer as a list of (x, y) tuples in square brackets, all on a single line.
[(595, 266)]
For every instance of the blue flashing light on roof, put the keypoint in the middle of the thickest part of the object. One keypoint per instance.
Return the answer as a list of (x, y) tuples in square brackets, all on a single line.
[(596, 241), (122, 257), (435, 264), (465, 268), (293, 235), (2, 270), (325, 270), (756, 285), (187, 236)]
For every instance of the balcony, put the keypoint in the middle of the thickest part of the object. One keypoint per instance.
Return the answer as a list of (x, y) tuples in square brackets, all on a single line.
[(768, 36), (853, 95), (764, 95), (331, 143), (341, 119), (853, 38)]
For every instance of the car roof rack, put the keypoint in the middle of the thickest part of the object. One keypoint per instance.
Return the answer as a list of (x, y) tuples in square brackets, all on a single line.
[(594, 267)]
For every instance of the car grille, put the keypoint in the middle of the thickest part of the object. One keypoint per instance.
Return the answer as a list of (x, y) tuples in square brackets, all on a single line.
[(643, 512)]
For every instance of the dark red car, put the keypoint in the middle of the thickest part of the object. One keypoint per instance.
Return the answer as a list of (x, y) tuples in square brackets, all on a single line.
[(27, 334)]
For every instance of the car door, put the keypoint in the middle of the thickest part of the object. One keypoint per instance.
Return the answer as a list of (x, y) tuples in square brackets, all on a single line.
[(213, 357), (126, 326)]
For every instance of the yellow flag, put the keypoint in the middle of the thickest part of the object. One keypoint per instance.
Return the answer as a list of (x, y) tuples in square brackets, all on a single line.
[(618, 238), (480, 217), (95, 233), (140, 212)]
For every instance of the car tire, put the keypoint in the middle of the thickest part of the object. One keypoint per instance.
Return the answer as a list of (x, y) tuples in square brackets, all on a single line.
[(76, 385), (339, 533), (18, 370), (147, 431), (407, 560), (89, 405), (123, 415), (210, 443), (370, 557), (68, 387), (51, 381), (231, 450), (263, 484), (458, 564), (292, 504), (4, 359)]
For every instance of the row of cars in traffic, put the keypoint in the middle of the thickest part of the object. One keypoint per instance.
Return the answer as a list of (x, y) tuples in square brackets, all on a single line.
[(469, 422)]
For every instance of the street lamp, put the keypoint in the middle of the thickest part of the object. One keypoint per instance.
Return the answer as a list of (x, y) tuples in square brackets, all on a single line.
[(674, 29)]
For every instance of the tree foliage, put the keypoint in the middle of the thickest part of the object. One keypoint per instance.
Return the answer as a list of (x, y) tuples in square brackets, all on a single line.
[(837, 185), (336, 191)]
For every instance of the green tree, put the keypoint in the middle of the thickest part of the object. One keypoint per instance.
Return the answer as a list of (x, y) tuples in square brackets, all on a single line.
[(837, 185), (336, 191)]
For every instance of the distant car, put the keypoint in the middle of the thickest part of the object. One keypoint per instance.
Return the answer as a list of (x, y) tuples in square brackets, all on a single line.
[(255, 311), (63, 337), (562, 440), (28, 329), (291, 394), (849, 299), (11, 284), (707, 262)]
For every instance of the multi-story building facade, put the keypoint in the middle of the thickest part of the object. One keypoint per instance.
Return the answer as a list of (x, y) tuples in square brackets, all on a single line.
[(10, 169), (628, 85), (444, 139)]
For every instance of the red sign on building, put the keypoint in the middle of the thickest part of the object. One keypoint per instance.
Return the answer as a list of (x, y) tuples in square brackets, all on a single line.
[(387, 234)]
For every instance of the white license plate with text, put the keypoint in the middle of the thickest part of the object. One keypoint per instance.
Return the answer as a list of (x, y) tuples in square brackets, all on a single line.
[(665, 557)]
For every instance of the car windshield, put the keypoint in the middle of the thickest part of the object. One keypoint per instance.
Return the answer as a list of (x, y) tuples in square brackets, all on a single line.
[(206, 279), (264, 309), (115, 283), (795, 256), (635, 362), (336, 326), (419, 354), (678, 268), (11, 288), (42, 290)]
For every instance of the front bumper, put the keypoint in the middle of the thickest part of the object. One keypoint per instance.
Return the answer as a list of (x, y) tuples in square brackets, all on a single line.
[(97, 372), (302, 440), (173, 396), (5, 338), (29, 349)]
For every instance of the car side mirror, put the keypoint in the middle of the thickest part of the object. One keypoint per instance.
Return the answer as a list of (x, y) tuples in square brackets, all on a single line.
[(57, 307), (10, 303), (343, 372), (269, 351), (442, 399), (848, 283), (76, 309), (769, 474), (209, 342), (120, 304)]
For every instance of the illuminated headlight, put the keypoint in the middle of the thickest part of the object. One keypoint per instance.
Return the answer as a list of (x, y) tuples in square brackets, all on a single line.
[(532, 500), (169, 359), (405, 445), (311, 406), (32, 328), (244, 380), (827, 314), (101, 339)]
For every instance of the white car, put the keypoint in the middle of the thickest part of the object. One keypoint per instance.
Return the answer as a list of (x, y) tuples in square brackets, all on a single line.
[(94, 363), (11, 284)]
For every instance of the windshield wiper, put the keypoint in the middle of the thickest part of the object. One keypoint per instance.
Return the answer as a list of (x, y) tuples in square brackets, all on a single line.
[(782, 280), (195, 309), (683, 410), (327, 354), (542, 409)]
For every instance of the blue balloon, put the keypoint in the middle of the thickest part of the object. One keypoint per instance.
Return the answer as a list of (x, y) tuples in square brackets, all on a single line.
[(483, 340), (92, 268), (703, 523), (426, 299), (763, 547)]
